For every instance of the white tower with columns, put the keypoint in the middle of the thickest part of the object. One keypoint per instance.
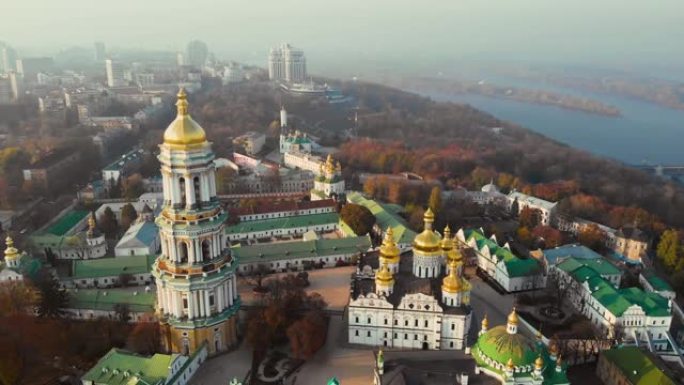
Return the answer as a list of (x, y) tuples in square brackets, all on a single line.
[(197, 296)]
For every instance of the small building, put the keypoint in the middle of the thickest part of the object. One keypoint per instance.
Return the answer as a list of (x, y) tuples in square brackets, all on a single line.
[(511, 272), (108, 272), (70, 238), (142, 238), (10, 267), (284, 227), (87, 304), (546, 209), (119, 367), (122, 167), (630, 365), (301, 255), (303, 161), (556, 255), (251, 141), (631, 243), (49, 172), (329, 184), (593, 289), (272, 210)]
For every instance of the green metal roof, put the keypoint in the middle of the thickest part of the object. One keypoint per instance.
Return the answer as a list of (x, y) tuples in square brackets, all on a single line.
[(601, 266), (617, 301), (656, 282), (638, 367), (119, 367), (67, 222), (106, 300), (109, 267), (302, 249), (385, 217), (515, 266), (283, 223)]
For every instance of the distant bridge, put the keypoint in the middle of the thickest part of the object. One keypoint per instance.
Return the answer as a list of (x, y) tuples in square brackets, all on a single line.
[(661, 170)]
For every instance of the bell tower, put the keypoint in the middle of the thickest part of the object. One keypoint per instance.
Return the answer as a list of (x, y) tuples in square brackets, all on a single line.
[(197, 298)]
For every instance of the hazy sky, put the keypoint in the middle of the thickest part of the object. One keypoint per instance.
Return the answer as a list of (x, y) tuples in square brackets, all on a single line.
[(629, 33)]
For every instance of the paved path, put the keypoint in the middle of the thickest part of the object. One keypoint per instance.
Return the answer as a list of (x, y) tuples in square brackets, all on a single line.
[(220, 370)]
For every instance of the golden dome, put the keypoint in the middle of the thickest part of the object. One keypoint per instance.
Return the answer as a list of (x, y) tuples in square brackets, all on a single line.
[(513, 317), (330, 165), (485, 322), (452, 282), (454, 255), (10, 252), (184, 131), (428, 240), (509, 364), (429, 215), (447, 242), (539, 363), (383, 275), (389, 251)]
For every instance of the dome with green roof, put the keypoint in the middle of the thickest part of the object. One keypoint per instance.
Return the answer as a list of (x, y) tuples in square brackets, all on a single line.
[(504, 353)]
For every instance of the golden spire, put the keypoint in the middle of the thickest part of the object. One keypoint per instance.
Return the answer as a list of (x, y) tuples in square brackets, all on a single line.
[(429, 216), (485, 322), (539, 362), (389, 251), (10, 252), (184, 131), (509, 364), (455, 255), (452, 282), (91, 225), (383, 275), (513, 317), (182, 102), (447, 242), (329, 164)]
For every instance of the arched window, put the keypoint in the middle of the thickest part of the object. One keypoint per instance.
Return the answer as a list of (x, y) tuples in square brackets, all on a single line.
[(206, 250), (183, 252), (196, 185), (181, 183)]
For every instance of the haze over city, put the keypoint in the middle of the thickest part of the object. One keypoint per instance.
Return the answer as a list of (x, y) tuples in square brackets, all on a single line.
[(634, 35), (295, 192)]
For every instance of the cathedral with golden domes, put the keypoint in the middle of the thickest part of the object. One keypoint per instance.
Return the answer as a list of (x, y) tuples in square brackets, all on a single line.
[(416, 300), (197, 298)]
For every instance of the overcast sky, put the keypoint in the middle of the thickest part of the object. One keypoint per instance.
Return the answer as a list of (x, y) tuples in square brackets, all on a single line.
[(606, 32)]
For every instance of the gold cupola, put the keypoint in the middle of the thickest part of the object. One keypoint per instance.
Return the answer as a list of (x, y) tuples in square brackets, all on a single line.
[(452, 282), (383, 276), (92, 226), (11, 253), (513, 317), (329, 167), (539, 363), (428, 240), (389, 251), (184, 132), (447, 242)]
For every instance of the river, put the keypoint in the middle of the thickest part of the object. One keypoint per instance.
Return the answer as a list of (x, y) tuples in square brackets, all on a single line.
[(644, 133)]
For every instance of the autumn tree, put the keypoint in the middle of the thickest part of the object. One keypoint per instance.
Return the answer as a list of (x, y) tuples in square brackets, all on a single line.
[(592, 237), (53, 298), (307, 335), (257, 275), (669, 249), (435, 200), (132, 187), (107, 223), (144, 338), (529, 217), (17, 297), (551, 237), (358, 217), (128, 216)]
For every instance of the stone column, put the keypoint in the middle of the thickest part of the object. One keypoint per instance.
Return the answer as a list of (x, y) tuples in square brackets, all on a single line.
[(189, 191), (206, 302), (219, 298), (229, 285)]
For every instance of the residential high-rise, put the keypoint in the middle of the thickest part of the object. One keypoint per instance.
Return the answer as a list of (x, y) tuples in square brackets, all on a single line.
[(197, 297), (287, 63), (197, 53), (100, 51), (8, 58), (115, 73)]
